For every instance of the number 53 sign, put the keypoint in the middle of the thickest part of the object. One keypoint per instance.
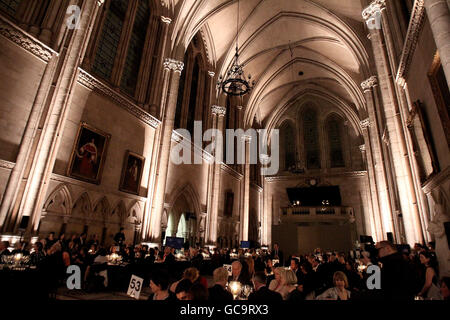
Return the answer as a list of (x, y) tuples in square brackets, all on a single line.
[(135, 287)]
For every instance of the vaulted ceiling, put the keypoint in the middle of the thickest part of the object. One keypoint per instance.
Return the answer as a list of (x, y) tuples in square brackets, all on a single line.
[(324, 39)]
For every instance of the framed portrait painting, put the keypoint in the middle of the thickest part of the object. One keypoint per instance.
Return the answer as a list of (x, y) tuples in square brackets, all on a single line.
[(88, 154), (133, 166)]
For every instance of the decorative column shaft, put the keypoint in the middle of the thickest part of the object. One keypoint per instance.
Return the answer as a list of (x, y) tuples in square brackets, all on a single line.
[(156, 83), (377, 227), (175, 68), (382, 204), (439, 17), (245, 214), (218, 113)]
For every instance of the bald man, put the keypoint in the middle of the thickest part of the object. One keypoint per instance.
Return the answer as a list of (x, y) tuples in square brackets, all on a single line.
[(239, 272)]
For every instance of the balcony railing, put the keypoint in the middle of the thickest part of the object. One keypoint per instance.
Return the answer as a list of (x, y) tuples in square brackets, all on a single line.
[(312, 211)]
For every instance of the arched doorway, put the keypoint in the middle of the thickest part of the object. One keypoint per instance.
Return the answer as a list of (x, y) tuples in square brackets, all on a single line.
[(182, 221)]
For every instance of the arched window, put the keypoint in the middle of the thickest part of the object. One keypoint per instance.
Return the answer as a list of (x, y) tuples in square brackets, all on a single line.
[(193, 97), (334, 132), (287, 140), (110, 39), (121, 43), (180, 96), (311, 139), (135, 48)]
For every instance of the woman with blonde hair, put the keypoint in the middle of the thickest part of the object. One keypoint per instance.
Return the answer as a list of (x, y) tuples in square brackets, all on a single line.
[(339, 291), (279, 284)]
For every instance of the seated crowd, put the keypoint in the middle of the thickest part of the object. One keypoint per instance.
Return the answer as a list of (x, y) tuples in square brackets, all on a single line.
[(405, 275)]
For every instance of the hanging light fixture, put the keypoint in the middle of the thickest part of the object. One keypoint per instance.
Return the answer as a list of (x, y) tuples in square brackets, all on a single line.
[(235, 83)]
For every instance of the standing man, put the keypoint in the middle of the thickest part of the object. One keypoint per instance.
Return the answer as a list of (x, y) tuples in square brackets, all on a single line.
[(119, 238)]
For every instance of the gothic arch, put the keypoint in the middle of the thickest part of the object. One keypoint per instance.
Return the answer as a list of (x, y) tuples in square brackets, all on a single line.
[(60, 200)]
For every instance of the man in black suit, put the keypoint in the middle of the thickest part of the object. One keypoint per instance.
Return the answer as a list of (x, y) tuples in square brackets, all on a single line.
[(168, 257), (295, 266), (119, 238), (277, 254), (262, 293), (218, 293)]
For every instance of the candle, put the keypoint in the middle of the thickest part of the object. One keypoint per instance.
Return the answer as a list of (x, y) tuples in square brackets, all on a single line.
[(235, 288)]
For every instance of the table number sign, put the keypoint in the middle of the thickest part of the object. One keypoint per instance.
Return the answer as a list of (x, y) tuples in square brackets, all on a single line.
[(228, 267), (135, 287)]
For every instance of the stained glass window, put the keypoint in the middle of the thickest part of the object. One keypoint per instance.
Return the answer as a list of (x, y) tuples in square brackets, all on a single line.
[(311, 139), (135, 48), (110, 38), (334, 127), (10, 6)]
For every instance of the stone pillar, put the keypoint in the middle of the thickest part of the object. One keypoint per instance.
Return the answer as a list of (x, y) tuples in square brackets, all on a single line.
[(218, 123), (156, 84), (266, 219), (394, 129), (175, 68), (55, 94), (373, 188), (423, 205), (245, 214), (439, 17)]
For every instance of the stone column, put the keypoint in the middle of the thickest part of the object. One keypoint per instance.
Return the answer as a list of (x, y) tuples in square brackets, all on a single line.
[(383, 206), (153, 176), (245, 214), (371, 171), (400, 161), (439, 17), (218, 113), (56, 94), (156, 83), (266, 220), (175, 68)]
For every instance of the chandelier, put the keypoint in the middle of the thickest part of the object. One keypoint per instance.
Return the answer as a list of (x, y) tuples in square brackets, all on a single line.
[(235, 83)]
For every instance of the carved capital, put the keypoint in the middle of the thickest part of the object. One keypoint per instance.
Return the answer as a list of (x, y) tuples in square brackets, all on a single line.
[(166, 20), (374, 9), (365, 123), (218, 110), (368, 84), (174, 65)]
